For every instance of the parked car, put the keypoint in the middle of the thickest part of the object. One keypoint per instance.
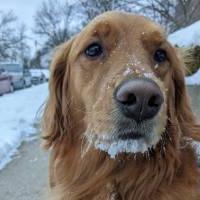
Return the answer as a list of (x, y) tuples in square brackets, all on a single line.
[(27, 78), (20, 78), (37, 76), (16, 71), (5, 82)]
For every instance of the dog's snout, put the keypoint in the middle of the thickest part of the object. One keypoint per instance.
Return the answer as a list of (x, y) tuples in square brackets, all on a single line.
[(139, 98)]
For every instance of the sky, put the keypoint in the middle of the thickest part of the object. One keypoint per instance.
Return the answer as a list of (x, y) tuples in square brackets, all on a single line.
[(25, 11)]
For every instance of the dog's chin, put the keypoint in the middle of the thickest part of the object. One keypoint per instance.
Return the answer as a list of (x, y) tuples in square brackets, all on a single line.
[(128, 143)]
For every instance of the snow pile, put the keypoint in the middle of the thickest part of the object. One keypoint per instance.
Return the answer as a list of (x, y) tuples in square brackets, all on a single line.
[(186, 37), (40, 73), (193, 79), (18, 119)]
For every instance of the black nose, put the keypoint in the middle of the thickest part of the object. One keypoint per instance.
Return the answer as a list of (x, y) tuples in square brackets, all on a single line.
[(139, 98)]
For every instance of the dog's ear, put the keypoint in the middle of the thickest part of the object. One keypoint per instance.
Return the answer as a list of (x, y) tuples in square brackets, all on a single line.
[(57, 114), (183, 111)]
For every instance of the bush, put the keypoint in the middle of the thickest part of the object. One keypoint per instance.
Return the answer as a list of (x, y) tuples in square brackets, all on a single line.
[(192, 60)]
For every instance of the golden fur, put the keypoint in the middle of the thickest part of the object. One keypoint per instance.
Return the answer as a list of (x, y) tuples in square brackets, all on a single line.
[(80, 103)]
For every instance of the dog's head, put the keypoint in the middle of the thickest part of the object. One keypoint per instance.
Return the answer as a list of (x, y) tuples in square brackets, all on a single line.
[(118, 85)]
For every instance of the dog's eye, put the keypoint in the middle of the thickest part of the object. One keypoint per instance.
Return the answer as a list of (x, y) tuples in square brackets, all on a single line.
[(160, 55), (94, 50)]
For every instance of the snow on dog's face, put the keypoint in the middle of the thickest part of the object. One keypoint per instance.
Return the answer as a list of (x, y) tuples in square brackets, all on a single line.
[(119, 84)]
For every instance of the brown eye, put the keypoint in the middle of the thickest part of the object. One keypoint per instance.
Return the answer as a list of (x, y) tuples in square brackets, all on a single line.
[(94, 50), (160, 55)]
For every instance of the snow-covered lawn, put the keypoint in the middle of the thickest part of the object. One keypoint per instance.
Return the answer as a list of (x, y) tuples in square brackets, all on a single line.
[(193, 79), (186, 37), (39, 72), (19, 114)]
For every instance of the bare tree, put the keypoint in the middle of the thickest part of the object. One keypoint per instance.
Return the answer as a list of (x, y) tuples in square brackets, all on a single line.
[(7, 39), (12, 39), (23, 49), (51, 23), (187, 11), (165, 12), (96, 7), (36, 60)]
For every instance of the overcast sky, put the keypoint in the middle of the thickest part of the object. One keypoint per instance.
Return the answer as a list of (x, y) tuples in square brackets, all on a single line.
[(24, 9)]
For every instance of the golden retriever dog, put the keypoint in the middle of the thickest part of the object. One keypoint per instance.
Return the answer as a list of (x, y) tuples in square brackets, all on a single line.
[(118, 120)]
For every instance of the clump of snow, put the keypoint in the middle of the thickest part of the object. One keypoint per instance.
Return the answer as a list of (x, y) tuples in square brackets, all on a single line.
[(115, 147), (128, 71), (186, 37), (122, 146), (148, 74), (18, 119), (156, 66), (193, 79), (196, 146)]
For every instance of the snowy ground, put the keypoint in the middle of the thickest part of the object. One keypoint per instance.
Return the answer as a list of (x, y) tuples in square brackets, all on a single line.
[(20, 113), (38, 72), (26, 177), (193, 79), (186, 37)]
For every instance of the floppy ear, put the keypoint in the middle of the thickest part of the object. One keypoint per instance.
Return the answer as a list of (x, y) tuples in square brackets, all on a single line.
[(185, 116), (57, 114)]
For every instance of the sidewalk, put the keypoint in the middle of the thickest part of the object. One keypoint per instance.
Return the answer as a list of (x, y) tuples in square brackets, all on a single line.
[(25, 178)]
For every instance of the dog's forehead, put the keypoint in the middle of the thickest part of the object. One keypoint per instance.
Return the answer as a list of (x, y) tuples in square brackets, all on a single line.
[(119, 29), (127, 22)]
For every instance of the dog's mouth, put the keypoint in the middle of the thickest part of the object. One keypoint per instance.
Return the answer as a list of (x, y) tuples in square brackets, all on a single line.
[(126, 138), (131, 135)]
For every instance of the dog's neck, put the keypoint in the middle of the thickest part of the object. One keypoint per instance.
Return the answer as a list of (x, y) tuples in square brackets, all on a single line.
[(130, 174), (96, 174)]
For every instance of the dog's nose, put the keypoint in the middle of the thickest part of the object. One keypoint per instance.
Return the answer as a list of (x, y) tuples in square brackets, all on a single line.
[(139, 98)]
